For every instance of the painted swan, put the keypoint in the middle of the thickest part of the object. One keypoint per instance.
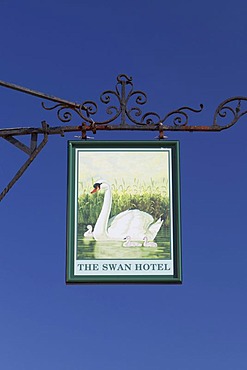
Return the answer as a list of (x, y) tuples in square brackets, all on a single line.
[(129, 243), (146, 243), (133, 223), (89, 232)]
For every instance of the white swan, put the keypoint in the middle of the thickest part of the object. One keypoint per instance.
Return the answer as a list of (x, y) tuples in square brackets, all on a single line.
[(133, 223), (89, 232), (148, 244), (129, 243)]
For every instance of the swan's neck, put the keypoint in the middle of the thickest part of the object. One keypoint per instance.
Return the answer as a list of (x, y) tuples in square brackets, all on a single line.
[(100, 229)]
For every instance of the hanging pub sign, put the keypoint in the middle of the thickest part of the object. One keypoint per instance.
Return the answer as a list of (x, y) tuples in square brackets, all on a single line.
[(123, 215)]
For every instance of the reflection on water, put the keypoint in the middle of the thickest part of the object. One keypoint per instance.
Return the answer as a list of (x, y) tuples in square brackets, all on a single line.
[(92, 249)]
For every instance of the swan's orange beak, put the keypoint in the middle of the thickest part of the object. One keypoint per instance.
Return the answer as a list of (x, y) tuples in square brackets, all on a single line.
[(96, 187), (94, 190)]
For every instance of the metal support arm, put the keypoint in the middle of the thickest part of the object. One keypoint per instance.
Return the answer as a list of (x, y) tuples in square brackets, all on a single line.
[(32, 152), (123, 113)]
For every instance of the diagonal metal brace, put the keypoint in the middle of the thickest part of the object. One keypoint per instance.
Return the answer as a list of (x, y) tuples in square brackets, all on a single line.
[(32, 151)]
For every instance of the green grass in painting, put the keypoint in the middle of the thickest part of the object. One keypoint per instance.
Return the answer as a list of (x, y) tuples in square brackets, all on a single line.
[(148, 198)]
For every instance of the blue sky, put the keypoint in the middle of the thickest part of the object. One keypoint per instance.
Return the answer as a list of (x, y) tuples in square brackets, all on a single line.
[(179, 53)]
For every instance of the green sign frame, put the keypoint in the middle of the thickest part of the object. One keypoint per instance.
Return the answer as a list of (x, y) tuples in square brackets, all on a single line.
[(123, 212)]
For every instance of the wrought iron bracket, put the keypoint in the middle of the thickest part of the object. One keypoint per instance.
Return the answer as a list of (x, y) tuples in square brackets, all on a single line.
[(32, 151), (123, 112)]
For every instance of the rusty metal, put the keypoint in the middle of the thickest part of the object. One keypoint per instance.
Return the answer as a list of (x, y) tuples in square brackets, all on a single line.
[(123, 113), (32, 151), (39, 94), (126, 114), (123, 110)]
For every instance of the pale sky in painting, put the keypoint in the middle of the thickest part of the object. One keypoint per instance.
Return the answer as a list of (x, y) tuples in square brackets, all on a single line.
[(147, 167)]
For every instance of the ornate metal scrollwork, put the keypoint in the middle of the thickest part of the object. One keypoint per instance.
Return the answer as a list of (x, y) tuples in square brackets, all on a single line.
[(180, 117), (229, 112), (65, 111), (123, 109)]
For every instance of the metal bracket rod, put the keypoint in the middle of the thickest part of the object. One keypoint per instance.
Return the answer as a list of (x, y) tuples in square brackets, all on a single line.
[(123, 113), (40, 94), (32, 151)]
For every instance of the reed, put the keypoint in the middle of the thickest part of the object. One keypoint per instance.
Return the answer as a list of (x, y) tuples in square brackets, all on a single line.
[(148, 198)]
